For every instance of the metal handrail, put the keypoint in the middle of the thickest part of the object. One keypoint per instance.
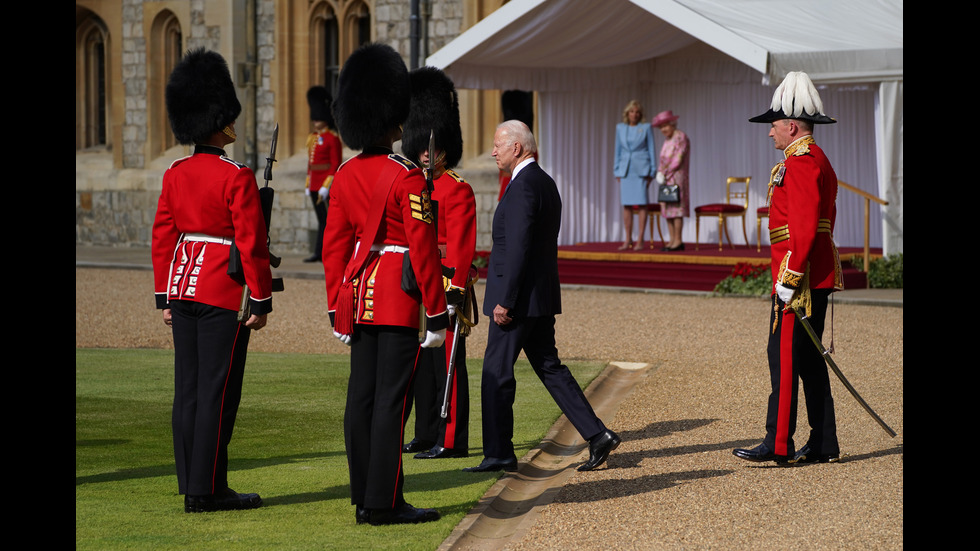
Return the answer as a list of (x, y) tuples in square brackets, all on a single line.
[(867, 218)]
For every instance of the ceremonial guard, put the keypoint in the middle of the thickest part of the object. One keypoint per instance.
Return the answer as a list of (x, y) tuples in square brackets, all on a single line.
[(207, 203), (381, 261), (323, 154), (805, 271), (441, 421)]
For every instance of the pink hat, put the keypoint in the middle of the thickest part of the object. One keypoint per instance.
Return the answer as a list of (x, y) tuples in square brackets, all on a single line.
[(663, 117)]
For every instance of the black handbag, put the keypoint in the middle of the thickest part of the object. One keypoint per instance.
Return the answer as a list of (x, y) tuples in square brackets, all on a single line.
[(669, 193)]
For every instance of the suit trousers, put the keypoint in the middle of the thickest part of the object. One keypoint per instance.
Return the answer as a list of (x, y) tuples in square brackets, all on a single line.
[(210, 347), (379, 392), (536, 337), (794, 357)]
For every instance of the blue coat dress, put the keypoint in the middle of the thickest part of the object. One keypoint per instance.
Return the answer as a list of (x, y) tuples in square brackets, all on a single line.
[(635, 159)]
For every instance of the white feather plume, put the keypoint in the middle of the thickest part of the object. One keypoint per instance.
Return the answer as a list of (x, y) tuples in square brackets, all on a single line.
[(797, 94)]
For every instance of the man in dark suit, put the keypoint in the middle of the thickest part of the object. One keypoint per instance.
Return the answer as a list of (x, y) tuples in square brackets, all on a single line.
[(522, 298)]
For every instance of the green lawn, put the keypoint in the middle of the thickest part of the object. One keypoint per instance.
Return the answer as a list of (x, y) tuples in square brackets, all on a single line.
[(288, 447)]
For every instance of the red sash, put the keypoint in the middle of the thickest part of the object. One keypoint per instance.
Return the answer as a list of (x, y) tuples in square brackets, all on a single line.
[(344, 314)]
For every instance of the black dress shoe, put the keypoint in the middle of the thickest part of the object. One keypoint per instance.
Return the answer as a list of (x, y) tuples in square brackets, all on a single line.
[(439, 452), (362, 515), (760, 454), (406, 514), (670, 249), (805, 456), (491, 464), (314, 258), (417, 445), (228, 500), (599, 447)]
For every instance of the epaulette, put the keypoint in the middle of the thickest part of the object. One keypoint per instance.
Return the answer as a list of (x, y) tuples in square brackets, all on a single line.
[(454, 176), (800, 147), (233, 162), (345, 162), (180, 160), (409, 165)]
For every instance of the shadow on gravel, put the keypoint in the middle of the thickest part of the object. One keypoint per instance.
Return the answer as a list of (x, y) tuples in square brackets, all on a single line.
[(601, 490), (631, 460), (660, 429)]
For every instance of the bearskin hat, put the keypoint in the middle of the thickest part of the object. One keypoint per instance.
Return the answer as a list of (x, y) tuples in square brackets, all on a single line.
[(320, 105), (434, 108), (795, 98), (373, 95), (518, 105), (201, 97)]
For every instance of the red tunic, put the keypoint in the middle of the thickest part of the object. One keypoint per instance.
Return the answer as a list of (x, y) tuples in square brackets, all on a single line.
[(380, 299), (802, 214), (208, 193), (324, 148), (457, 224)]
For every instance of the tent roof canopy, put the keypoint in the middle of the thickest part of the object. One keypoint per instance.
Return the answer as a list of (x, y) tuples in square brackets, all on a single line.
[(833, 40)]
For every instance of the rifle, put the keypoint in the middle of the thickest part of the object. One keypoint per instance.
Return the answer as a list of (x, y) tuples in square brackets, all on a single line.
[(266, 197)]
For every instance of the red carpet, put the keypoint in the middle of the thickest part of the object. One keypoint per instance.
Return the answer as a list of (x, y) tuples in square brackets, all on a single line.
[(701, 270)]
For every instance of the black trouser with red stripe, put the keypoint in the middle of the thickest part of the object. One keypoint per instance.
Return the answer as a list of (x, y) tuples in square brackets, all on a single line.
[(210, 347), (320, 208), (430, 387), (794, 357), (382, 365)]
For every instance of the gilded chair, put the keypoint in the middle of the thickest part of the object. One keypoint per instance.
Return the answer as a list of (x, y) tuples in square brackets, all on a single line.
[(736, 203), (760, 213), (653, 217)]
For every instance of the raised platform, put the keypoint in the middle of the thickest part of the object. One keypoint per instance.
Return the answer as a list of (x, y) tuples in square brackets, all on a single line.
[(690, 269)]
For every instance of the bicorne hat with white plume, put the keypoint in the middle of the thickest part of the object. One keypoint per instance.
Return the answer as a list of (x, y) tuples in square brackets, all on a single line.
[(795, 98)]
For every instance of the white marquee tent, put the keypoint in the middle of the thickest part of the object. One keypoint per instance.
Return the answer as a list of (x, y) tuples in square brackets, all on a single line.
[(715, 63)]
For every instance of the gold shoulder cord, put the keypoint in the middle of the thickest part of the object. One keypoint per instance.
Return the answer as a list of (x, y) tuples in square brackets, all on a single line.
[(796, 149), (775, 179)]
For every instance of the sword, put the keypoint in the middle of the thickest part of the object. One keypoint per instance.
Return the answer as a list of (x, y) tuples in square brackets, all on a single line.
[(435, 216), (833, 366), (449, 371)]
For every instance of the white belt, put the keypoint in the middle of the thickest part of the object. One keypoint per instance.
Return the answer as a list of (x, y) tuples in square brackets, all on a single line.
[(377, 247), (206, 238)]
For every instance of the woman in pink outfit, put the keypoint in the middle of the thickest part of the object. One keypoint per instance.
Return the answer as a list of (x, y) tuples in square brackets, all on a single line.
[(674, 167)]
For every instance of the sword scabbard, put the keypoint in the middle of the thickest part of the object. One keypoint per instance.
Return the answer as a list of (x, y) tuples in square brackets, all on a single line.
[(804, 321)]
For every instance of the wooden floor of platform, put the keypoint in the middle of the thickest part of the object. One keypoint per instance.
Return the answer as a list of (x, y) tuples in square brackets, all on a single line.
[(693, 269)]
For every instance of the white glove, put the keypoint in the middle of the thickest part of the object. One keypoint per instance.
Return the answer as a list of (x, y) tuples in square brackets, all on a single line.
[(324, 193), (451, 308), (343, 338), (660, 177), (784, 293), (434, 339), (308, 192)]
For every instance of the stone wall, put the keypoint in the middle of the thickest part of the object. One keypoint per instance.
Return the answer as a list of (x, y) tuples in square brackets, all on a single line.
[(115, 206), (393, 24)]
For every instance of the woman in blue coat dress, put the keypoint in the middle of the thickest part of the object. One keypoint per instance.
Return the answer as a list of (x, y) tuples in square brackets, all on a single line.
[(634, 168)]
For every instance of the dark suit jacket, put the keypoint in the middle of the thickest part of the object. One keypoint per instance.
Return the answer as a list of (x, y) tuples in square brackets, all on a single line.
[(523, 270)]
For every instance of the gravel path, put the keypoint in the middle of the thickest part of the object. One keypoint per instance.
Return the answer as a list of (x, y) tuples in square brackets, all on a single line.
[(673, 483)]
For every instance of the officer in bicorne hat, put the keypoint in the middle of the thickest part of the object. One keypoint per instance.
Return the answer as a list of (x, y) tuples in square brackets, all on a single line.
[(805, 271), (435, 111), (380, 261), (207, 202), (323, 158)]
